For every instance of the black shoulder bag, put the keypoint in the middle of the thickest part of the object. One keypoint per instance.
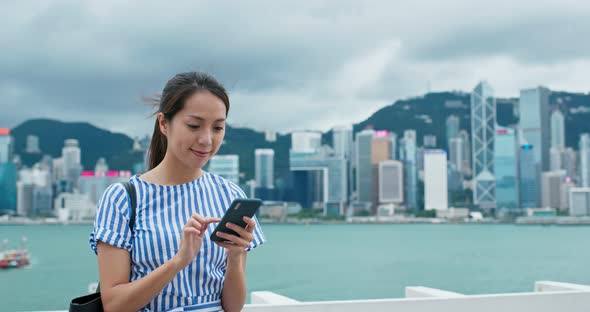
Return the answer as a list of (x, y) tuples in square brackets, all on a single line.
[(92, 302)]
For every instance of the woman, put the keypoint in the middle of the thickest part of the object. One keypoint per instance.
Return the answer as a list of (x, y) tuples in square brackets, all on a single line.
[(168, 262)]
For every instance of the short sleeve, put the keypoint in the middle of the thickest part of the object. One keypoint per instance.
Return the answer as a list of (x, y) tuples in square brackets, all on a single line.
[(111, 224), (259, 238)]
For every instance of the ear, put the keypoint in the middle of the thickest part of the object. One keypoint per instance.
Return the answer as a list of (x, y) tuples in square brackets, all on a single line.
[(163, 123)]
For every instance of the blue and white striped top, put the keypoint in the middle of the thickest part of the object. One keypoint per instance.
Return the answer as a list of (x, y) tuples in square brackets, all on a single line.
[(161, 213)]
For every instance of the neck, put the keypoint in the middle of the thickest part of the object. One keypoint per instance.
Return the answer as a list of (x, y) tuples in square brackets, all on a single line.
[(172, 172)]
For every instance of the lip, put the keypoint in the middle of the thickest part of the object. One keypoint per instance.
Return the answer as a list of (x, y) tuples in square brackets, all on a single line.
[(200, 154)]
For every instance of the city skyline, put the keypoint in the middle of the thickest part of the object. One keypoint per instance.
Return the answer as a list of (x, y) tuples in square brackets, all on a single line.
[(316, 57)]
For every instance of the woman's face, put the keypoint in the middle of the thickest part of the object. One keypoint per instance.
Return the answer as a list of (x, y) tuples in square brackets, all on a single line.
[(195, 133)]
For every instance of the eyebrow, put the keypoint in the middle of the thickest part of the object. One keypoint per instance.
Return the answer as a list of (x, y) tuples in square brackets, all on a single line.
[(202, 119)]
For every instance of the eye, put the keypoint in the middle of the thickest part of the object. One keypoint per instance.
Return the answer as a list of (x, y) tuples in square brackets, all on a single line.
[(193, 126), (218, 128)]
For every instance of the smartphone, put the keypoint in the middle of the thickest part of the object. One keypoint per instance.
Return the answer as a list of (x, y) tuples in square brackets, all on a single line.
[(239, 208)]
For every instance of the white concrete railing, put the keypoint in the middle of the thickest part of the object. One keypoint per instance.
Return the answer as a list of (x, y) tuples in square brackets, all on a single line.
[(427, 292), (548, 297)]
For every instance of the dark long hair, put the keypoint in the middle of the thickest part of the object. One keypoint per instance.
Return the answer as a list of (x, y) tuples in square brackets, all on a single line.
[(177, 90)]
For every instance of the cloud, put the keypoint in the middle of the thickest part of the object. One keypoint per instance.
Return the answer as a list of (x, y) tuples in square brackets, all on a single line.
[(308, 65)]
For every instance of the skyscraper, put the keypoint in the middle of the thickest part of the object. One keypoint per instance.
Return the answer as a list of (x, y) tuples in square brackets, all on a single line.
[(391, 186), (555, 155), (364, 166), (466, 169), (393, 142), (557, 129), (566, 186), (456, 153), (8, 191), (264, 173), (569, 162), (585, 160), (409, 153), (534, 122), (226, 166), (380, 151), (343, 143), (264, 167), (452, 129), (527, 178), (342, 139), (72, 168), (5, 145), (551, 186), (505, 162), (483, 119), (435, 180)]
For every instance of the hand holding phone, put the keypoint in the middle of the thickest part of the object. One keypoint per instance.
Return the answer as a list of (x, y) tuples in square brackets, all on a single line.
[(239, 208)]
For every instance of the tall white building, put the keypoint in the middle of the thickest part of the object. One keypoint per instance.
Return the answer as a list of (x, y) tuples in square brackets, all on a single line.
[(435, 180), (264, 167), (72, 167), (391, 183), (580, 201), (226, 166), (566, 186), (557, 129), (555, 158), (452, 130), (551, 187), (569, 161), (535, 125), (456, 152), (306, 141), (364, 166), (483, 120), (342, 141)]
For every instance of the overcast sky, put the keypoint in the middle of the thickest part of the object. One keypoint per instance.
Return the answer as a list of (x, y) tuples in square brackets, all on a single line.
[(287, 65)]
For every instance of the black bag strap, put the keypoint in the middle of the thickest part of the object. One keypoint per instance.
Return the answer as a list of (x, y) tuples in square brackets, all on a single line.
[(133, 203)]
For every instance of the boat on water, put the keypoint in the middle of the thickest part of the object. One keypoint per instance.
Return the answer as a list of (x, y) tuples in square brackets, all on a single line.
[(14, 258)]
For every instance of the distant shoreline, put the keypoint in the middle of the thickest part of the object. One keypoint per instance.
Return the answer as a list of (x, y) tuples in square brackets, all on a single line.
[(562, 220)]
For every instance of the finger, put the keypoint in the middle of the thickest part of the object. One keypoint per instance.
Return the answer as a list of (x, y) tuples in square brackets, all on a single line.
[(228, 245), (251, 224), (243, 233), (194, 223), (198, 217), (211, 220), (191, 230), (233, 239)]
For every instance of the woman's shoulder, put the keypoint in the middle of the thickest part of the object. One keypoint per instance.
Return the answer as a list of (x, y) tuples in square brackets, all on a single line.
[(221, 182)]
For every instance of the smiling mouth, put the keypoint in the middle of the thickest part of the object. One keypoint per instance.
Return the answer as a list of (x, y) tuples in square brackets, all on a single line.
[(200, 154)]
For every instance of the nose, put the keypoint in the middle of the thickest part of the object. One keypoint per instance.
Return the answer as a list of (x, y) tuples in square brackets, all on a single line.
[(204, 138)]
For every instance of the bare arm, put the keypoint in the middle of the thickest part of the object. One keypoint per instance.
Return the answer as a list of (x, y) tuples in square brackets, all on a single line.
[(233, 295), (117, 293)]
